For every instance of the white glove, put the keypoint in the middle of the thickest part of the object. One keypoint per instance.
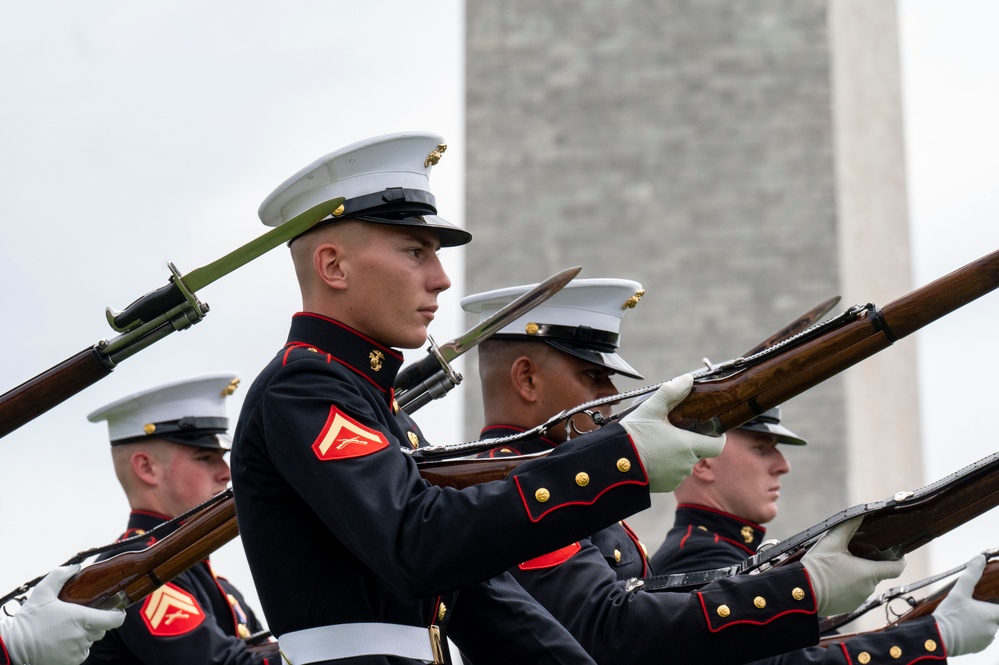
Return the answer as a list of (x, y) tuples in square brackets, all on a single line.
[(668, 453), (48, 631), (967, 625), (841, 581)]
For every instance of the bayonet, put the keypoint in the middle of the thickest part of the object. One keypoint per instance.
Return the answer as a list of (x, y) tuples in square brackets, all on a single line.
[(432, 377), (147, 320)]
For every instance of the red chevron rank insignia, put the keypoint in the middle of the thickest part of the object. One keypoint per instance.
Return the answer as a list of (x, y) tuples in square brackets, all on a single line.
[(343, 437), (170, 611), (552, 559)]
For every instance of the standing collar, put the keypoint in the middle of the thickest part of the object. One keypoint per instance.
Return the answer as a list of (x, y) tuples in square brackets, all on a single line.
[(141, 521), (376, 362), (746, 534), (526, 446)]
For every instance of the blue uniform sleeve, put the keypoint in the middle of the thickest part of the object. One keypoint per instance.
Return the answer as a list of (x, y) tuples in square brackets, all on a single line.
[(339, 449), (723, 622), (906, 644)]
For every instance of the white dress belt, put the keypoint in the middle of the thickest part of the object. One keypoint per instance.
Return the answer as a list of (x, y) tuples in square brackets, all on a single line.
[(347, 640)]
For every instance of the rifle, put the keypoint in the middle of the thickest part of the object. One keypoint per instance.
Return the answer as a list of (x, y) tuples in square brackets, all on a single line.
[(125, 578), (147, 320), (987, 590), (731, 393)]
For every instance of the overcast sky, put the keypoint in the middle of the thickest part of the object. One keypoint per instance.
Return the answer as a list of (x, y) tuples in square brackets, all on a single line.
[(133, 134)]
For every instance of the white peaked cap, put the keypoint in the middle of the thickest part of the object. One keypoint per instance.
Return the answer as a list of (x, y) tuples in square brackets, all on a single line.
[(385, 179), (190, 411), (583, 319)]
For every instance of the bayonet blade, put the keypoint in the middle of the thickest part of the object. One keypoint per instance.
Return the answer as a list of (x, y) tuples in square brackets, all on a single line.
[(418, 371), (509, 313)]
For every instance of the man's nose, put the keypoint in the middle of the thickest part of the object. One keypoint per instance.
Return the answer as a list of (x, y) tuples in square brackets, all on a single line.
[(439, 281)]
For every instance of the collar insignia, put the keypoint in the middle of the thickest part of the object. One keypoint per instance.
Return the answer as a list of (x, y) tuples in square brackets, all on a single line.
[(375, 358), (747, 534)]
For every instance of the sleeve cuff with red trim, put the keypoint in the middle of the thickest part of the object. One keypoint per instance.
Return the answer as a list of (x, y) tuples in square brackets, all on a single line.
[(580, 472), (768, 597)]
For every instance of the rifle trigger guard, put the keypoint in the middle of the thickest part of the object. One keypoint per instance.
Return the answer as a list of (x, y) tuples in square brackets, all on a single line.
[(571, 428)]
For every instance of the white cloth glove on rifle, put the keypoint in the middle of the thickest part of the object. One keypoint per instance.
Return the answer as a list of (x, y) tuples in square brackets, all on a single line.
[(967, 625), (840, 580), (48, 631), (668, 453)]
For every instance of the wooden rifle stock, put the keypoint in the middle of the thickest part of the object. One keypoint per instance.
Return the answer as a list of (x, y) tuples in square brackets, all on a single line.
[(125, 578), (986, 590)]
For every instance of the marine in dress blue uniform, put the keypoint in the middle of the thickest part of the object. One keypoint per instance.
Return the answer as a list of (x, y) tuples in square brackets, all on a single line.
[(585, 584), (371, 558), (704, 538), (199, 616)]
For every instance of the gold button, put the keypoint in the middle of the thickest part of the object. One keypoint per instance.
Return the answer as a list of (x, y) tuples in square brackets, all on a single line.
[(703, 528), (930, 645), (395, 406), (863, 658), (542, 495), (645, 550), (243, 631), (617, 556), (760, 602), (338, 211), (441, 612), (797, 593), (582, 479), (624, 465), (149, 428), (531, 328), (723, 611), (313, 349), (895, 652), (413, 439)]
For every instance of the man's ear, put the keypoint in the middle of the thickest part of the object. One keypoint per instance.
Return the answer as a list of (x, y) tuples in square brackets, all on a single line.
[(704, 470), (328, 263), (523, 378), (145, 467)]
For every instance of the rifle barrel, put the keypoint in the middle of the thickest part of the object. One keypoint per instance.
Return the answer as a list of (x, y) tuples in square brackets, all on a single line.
[(36, 396)]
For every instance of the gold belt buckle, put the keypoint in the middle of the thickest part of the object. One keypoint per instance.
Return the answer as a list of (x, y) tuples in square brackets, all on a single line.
[(436, 646)]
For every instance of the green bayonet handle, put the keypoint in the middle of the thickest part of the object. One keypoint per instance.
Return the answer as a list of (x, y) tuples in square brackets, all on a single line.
[(165, 298)]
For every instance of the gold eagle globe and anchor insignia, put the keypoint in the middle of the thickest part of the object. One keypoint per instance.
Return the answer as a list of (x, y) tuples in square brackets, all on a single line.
[(633, 300), (747, 534), (375, 358), (230, 389), (435, 156)]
